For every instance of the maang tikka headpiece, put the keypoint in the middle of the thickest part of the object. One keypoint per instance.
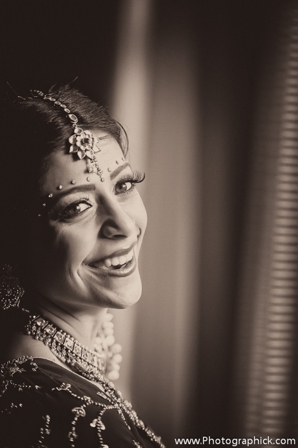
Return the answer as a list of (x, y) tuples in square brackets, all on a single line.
[(81, 142)]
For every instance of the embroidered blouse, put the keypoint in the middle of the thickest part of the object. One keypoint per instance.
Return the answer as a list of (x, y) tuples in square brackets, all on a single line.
[(43, 405)]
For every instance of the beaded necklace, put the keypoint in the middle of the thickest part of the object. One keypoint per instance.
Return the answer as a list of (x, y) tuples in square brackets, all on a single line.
[(86, 363), (81, 359)]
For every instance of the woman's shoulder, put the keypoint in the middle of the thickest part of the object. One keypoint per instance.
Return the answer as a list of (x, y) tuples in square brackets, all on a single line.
[(41, 376), (41, 372), (38, 401), (52, 406)]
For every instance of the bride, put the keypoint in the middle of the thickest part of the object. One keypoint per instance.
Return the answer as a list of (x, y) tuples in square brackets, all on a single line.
[(72, 226)]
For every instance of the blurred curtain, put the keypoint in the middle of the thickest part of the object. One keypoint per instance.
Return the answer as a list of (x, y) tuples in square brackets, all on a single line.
[(201, 89), (266, 370), (155, 98)]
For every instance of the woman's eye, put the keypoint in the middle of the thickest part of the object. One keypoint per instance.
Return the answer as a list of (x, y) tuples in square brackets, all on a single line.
[(128, 183), (74, 210), (124, 187)]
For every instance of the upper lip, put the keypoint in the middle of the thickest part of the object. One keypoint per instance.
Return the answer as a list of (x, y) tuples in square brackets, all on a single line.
[(117, 253)]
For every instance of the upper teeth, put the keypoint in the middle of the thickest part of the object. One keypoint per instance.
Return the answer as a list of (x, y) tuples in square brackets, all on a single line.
[(116, 261)]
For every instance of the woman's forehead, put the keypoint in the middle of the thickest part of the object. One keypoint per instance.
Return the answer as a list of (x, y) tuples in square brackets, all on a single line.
[(64, 168)]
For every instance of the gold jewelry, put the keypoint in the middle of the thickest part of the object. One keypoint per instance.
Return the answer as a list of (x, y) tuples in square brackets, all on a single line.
[(93, 365), (82, 142), (67, 349)]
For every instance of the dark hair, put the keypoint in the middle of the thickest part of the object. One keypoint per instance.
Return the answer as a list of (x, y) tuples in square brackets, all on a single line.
[(31, 129)]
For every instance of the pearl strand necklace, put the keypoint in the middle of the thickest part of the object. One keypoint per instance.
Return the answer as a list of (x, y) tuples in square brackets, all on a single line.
[(105, 343)]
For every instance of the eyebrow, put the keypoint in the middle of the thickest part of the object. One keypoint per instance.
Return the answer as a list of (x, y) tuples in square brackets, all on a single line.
[(79, 188), (88, 187), (118, 170)]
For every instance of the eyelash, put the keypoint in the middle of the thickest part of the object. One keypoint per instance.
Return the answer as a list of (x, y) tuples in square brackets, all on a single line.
[(136, 178), (62, 216)]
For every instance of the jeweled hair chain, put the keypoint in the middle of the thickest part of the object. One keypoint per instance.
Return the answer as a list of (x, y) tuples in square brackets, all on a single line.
[(82, 142)]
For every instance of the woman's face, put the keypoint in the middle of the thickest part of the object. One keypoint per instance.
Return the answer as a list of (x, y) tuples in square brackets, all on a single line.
[(86, 243)]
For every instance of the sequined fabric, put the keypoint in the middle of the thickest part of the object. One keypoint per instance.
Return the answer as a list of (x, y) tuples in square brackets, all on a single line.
[(43, 405)]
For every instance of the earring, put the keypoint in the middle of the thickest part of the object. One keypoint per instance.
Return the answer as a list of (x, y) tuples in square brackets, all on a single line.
[(10, 290)]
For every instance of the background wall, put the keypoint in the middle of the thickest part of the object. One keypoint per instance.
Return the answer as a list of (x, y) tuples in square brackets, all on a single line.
[(184, 78)]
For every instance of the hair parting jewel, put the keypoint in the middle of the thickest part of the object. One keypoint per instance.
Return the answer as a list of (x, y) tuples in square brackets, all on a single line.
[(82, 142)]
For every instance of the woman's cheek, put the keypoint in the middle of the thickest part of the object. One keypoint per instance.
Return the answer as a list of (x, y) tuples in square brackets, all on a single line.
[(77, 242)]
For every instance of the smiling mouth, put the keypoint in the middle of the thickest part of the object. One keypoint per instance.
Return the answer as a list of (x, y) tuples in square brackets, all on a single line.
[(117, 266)]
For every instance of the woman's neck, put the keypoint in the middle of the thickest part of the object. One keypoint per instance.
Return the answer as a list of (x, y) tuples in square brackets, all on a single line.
[(83, 326)]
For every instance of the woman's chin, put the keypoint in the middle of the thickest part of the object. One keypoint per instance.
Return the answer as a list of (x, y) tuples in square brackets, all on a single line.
[(118, 293), (126, 297)]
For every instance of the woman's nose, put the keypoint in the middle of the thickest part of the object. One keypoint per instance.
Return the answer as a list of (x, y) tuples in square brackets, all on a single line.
[(117, 222)]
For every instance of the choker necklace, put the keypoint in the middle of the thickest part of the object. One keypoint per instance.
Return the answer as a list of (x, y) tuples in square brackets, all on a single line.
[(81, 359)]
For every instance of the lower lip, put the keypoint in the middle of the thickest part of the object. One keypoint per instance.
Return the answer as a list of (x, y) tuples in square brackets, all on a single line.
[(123, 272)]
